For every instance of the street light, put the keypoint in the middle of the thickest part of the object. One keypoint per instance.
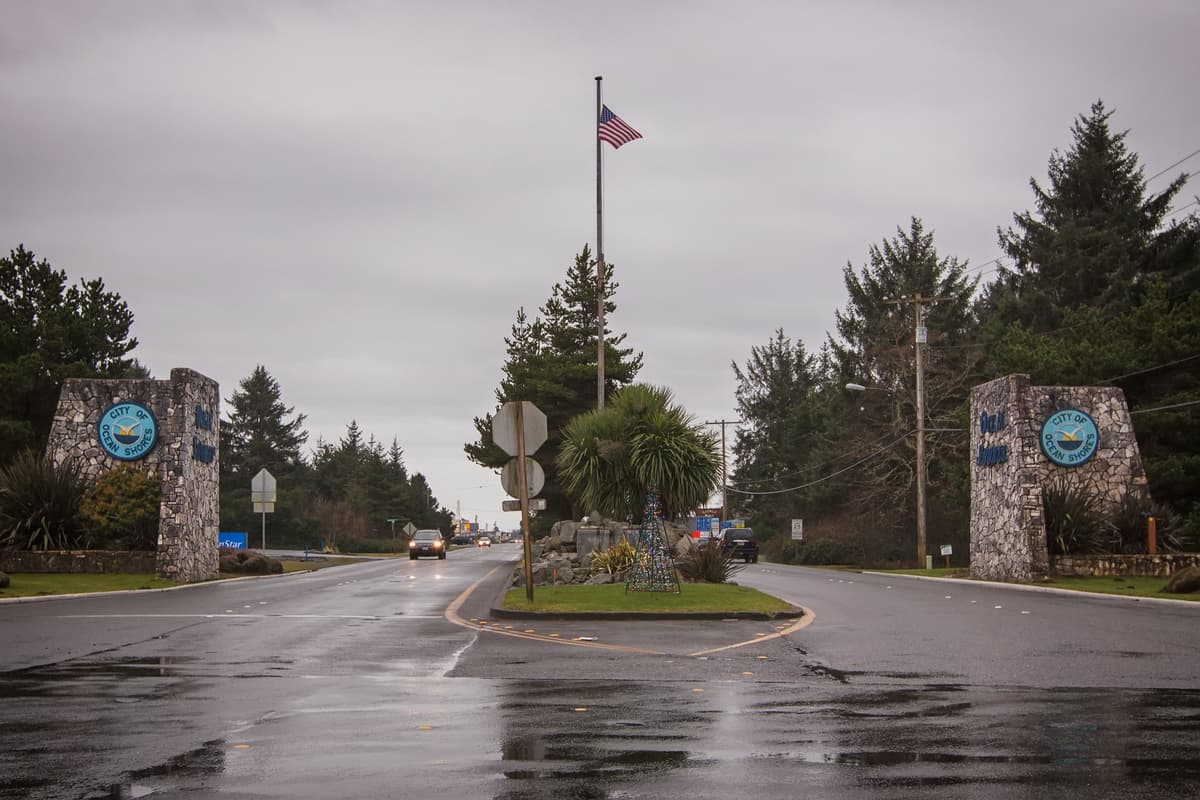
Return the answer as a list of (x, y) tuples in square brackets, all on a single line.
[(858, 387)]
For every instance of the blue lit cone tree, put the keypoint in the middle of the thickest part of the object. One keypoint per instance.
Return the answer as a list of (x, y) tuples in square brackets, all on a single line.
[(653, 569)]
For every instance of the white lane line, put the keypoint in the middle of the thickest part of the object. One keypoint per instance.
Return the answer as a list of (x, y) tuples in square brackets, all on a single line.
[(228, 615)]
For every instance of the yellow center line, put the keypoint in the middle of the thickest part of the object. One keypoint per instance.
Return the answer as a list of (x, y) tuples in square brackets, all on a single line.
[(803, 622), (452, 615)]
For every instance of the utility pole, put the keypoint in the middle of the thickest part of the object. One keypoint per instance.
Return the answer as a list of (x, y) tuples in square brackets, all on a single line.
[(724, 479), (920, 338)]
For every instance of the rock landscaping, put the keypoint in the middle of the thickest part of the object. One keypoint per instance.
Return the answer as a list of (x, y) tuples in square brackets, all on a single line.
[(569, 554)]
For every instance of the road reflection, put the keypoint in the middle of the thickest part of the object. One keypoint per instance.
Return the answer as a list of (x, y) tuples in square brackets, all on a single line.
[(386, 735), (621, 739)]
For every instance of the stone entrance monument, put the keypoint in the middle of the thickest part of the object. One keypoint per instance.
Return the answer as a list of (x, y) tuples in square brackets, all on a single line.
[(169, 428), (1024, 437)]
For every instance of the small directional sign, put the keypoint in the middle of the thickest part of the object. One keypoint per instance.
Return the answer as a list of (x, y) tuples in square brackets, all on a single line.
[(535, 504), (409, 529)]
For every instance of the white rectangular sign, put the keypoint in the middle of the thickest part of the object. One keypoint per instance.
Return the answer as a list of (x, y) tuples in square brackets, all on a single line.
[(797, 530)]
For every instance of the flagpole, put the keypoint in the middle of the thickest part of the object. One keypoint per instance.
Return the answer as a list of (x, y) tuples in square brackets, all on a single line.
[(599, 259)]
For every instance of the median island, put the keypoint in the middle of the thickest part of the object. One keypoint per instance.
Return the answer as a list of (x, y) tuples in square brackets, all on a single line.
[(694, 600)]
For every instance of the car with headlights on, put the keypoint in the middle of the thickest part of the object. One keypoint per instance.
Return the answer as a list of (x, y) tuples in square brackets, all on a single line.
[(426, 543), (483, 541)]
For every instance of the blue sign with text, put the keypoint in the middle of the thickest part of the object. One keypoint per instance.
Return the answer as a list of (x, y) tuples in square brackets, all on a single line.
[(235, 540)]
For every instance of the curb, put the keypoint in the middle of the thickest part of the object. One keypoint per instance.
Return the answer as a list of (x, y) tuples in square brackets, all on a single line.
[(1025, 587), (633, 616), (39, 598)]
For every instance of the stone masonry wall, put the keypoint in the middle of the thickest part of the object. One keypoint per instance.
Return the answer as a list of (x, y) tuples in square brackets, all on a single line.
[(1141, 565), (1009, 469), (185, 458), (90, 562)]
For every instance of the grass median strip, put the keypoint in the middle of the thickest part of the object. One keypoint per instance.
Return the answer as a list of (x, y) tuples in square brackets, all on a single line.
[(40, 584), (1128, 586), (43, 584), (692, 597)]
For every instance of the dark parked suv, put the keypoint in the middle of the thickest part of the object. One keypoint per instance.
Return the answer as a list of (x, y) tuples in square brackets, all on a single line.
[(740, 543)]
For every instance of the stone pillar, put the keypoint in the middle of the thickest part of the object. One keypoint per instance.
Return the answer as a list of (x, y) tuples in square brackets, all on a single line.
[(1009, 469), (1008, 535), (184, 458)]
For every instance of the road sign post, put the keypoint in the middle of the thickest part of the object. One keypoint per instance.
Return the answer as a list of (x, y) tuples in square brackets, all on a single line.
[(518, 428), (262, 495), (393, 521)]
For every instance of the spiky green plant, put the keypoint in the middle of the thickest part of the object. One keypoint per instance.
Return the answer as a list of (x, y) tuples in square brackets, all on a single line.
[(709, 564), (1073, 522), (39, 504), (615, 559), (1129, 529), (609, 458)]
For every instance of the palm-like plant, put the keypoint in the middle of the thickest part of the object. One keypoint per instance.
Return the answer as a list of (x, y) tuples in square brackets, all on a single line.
[(609, 459), (39, 504)]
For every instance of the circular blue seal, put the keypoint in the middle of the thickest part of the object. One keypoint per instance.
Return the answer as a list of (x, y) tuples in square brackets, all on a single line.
[(127, 431), (1069, 437)]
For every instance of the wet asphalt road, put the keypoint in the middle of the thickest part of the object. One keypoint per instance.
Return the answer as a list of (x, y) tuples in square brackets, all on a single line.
[(353, 682)]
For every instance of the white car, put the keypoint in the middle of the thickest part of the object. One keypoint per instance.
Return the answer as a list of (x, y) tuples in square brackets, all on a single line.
[(483, 541)]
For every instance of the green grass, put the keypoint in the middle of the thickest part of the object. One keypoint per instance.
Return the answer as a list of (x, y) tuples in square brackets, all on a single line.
[(709, 597), (40, 584), (1130, 587), (299, 565), (34, 584), (940, 572)]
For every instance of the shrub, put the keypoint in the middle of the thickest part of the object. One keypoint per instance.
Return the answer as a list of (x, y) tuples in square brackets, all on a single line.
[(615, 559), (709, 565), (39, 504), (825, 551), (120, 511), (248, 562), (348, 544), (1128, 525), (4, 581), (1073, 523), (1186, 581)]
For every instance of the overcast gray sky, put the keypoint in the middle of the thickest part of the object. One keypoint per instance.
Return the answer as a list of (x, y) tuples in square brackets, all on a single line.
[(359, 195)]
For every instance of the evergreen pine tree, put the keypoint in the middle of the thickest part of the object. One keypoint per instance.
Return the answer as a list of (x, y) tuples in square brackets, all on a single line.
[(551, 362)]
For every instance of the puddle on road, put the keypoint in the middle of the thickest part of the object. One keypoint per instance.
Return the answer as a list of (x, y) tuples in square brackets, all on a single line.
[(871, 738), (204, 761), (611, 737)]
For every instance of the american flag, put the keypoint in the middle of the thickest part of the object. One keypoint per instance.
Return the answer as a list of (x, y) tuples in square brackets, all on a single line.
[(615, 130)]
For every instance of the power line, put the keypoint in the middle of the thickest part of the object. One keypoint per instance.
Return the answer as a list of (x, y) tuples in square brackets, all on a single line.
[(1165, 408), (1154, 368), (1173, 166), (832, 475)]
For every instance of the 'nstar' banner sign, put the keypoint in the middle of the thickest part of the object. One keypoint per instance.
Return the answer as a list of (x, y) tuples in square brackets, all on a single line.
[(235, 540)]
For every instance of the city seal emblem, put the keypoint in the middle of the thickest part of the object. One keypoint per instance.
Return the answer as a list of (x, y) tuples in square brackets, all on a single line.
[(127, 431), (1069, 437)]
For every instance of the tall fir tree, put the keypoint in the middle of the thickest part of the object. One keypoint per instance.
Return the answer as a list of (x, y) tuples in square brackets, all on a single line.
[(875, 347), (50, 331), (1105, 289), (1095, 238), (785, 437), (261, 432), (257, 432), (551, 362)]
